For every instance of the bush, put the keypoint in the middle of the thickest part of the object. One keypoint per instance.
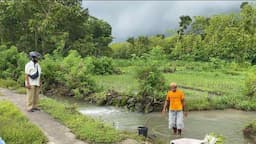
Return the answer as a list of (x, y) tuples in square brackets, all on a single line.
[(121, 50), (217, 63), (12, 64), (100, 66), (250, 130), (152, 82), (70, 72), (250, 85), (16, 128)]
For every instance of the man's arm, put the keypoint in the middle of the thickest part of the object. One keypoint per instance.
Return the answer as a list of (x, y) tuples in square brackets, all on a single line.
[(27, 84), (165, 105), (183, 104), (184, 107)]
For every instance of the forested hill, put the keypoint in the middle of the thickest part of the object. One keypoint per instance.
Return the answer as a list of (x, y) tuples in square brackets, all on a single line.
[(46, 25), (230, 37), (61, 25)]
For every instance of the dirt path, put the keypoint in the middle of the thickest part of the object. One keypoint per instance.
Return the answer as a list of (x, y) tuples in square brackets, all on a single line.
[(55, 132)]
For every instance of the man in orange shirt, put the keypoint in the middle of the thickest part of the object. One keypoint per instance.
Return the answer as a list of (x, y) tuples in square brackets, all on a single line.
[(176, 100)]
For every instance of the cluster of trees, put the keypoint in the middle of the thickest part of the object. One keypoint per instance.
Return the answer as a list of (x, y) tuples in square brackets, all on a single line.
[(48, 25), (228, 37)]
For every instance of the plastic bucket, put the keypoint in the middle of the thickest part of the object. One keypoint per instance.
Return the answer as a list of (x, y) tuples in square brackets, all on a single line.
[(143, 131)]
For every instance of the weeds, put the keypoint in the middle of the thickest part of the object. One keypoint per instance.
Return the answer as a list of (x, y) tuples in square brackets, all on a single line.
[(15, 127), (85, 128)]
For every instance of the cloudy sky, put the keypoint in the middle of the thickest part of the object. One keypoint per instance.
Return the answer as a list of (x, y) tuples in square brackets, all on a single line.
[(134, 18)]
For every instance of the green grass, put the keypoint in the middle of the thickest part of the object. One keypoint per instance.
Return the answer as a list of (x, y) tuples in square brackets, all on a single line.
[(15, 128), (84, 127), (208, 81), (8, 83), (205, 88), (21, 90)]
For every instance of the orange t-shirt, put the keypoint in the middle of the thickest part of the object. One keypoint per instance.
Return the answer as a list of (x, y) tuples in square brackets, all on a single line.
[(175, 99)]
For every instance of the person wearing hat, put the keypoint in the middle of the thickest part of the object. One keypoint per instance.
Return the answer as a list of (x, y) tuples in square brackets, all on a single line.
[(176, 100), (32, 81)]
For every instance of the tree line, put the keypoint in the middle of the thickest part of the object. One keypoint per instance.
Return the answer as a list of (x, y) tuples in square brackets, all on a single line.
[(229, 37), (58, 25), (48, 25)]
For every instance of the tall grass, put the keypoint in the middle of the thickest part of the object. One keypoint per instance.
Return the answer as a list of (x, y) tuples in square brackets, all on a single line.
[(15, 128), (85, 128)]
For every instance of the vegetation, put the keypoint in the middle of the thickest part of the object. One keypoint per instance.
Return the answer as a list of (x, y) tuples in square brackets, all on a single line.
[(220, 139), (211, 59), (15, 127), (46, 25), (151, 81), (206, 73), (250, 130), (226, 37), (85, 128)]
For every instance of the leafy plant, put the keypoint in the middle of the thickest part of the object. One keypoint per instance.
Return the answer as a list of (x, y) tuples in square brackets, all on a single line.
[(151, 80), (101, 66), (250, 85)]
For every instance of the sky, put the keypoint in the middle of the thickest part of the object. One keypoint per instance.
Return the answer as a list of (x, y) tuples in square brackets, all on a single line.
[(135, 18)]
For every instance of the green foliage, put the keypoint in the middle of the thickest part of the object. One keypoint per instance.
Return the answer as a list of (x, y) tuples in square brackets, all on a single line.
[(250, 129), (138, 47), (12, 64), (151, 81), (250, 85), (100, 66), (229, 37), (220, 138), (121, 50), (84, 127), (69, 71), (46, 25), (16, 128), (9, 83)]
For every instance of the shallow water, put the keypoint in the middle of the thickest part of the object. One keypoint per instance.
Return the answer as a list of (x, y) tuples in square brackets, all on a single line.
[(228, 123)]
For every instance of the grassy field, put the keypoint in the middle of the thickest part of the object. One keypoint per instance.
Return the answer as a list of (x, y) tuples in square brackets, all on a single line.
[(15, 127), (85, 128), (204, 86)]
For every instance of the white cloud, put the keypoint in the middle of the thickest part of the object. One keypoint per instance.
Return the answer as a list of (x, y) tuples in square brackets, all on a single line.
[(134, 18)]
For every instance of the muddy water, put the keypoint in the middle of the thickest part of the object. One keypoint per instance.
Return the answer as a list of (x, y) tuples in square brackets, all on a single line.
[(228, 123)]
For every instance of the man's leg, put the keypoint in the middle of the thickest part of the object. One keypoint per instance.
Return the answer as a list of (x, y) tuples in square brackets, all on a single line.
[(36, 98), (174, 129), (172, 121), (180, 122), (30, 93)]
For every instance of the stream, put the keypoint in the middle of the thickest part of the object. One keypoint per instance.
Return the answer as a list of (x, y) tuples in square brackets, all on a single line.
[(228, 123)]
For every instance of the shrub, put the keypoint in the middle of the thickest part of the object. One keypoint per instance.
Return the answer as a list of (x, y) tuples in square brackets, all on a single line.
[(70, 72), (121, 50), (250, 85), (100, 66), (12, 64), (217, 63), (51, 70), (152, 82), (250, 130)]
